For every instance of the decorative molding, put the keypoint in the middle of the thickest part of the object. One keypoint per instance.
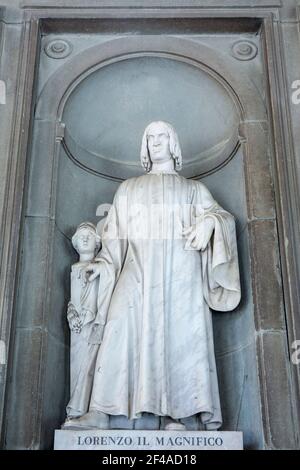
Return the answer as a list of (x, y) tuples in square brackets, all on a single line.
[(11, 227), (58, 48), (286, 188), (287, 191), (149, 4), (2, 92), (244, 50)]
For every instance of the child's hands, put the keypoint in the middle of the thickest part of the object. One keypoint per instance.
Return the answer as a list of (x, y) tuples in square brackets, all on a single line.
[(93, 268)]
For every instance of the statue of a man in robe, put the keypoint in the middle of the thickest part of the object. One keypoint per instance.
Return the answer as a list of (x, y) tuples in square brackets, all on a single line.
[(168, 255)]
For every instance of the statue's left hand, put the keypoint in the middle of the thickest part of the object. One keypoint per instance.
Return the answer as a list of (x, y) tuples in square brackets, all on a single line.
[(198, 235)]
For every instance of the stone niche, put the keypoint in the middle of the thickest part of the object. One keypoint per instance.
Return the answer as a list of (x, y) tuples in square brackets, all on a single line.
[(98, 84)]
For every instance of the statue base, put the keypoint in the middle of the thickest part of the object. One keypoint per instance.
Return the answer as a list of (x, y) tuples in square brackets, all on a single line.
[(147, 440)]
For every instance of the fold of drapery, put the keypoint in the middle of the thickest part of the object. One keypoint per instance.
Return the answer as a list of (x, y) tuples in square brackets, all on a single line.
[(157, 354), (220, 269)]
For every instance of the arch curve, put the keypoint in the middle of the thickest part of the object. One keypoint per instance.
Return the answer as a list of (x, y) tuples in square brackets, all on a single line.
[(67, 78), (82, 64)]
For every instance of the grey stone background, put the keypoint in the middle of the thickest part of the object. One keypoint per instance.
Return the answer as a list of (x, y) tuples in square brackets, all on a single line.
[(259, 384)]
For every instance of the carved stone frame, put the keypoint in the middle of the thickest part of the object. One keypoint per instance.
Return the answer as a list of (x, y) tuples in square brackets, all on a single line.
[(265, 175)]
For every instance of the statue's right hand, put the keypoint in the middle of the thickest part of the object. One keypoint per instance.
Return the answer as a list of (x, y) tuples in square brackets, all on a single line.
[(93, 268)]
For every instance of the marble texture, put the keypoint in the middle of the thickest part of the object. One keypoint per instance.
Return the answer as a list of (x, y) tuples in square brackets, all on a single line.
[(165, 261), (36, 363), (148, 440), (82, 309)]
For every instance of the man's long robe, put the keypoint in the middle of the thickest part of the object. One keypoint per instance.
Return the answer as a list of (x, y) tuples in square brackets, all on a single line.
[(155, 295)]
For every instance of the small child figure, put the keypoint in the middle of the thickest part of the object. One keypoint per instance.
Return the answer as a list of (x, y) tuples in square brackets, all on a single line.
[(82, 309)]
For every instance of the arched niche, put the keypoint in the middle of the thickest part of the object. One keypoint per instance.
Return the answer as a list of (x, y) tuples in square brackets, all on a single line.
[(67, 183)]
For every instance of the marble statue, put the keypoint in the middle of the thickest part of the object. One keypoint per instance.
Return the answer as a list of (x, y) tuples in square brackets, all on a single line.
[(82, 310), (168, 256)]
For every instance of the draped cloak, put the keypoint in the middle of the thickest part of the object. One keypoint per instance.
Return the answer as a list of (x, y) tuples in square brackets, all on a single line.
[(84, 345), (155, 295)]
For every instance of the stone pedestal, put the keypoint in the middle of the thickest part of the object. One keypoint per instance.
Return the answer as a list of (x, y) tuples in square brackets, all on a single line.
[(147, 440)]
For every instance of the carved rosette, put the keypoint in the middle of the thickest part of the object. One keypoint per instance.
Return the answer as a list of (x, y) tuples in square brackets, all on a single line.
[(244, 50), (58, 48)]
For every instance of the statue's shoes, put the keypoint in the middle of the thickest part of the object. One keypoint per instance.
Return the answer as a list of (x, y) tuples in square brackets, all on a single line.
[(91, 420), (173, 425), (68, 423)]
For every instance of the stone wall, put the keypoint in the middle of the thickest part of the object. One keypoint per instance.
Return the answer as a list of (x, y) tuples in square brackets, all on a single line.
[(37, 213)]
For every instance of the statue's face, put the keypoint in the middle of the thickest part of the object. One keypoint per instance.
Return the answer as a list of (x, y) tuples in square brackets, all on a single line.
[(86, 242), (158, 143)]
